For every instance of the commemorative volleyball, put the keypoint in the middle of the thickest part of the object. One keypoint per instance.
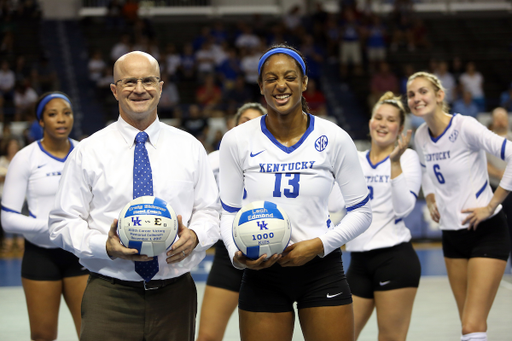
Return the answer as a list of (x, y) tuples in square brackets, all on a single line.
[(147, 224), (261, 227)]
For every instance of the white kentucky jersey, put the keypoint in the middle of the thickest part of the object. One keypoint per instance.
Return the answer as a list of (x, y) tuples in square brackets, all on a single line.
[(298, 178), (456, 166), (391, 200), (33, 174)]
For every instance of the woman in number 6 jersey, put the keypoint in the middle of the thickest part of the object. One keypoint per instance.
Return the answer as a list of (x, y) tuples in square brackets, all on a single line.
[(459, 197), (384, 270), (47, 272), (293, 159)]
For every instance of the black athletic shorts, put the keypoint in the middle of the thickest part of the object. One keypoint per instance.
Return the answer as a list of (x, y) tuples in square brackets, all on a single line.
[(41, 264), (383, 269), (490, 240), (318, 283), (223, 274)]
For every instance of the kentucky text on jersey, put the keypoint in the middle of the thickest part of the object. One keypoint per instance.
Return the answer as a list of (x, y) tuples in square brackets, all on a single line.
[(377, 178), (285, 167), (437, 156)]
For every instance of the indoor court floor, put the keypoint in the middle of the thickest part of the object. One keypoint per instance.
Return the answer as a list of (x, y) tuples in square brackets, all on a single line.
[(434, 315)]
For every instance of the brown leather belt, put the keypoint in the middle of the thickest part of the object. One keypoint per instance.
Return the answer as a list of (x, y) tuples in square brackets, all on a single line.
[(151, 285)]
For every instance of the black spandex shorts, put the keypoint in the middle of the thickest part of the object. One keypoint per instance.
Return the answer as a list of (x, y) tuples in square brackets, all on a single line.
[(41, 264), (490, 240), (318, 283), (383, 269), (223, 274)]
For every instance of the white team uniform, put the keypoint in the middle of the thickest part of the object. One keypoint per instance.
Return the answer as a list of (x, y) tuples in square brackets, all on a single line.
[(391, 199), (299, 179), (33, 173), (456, 167)]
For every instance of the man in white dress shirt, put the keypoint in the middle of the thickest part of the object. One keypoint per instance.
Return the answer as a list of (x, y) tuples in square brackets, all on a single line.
[(98, 181)]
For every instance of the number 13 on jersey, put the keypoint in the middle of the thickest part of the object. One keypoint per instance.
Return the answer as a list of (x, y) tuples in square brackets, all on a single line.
[(291, 186)]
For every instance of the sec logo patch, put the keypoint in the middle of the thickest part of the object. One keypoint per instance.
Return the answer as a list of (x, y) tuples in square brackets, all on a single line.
[(321, 143)]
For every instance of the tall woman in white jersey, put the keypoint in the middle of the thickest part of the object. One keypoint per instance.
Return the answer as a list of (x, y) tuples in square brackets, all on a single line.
[(221, 293), (384, 270), (293, 159), (47, 272), (456, 186)]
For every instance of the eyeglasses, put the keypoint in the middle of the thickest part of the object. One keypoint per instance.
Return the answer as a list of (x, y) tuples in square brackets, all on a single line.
[(131, 83)]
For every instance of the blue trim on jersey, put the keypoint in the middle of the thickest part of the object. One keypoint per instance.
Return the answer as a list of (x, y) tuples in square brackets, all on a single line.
[(362, 203), (398, 220), (285, 149), (54, 157), (9, 210), (378, 163), (481, 189), (31, 214), (503, 149), (422, 165), (415, 195), (229, 208), (435, 139)]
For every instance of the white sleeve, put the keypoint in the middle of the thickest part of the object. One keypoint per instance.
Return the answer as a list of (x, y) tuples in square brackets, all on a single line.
[(205, 217), (349, 175), (231, 189), (426, 183), (405, 187), (13, 197), (479, 137), (69, 228)]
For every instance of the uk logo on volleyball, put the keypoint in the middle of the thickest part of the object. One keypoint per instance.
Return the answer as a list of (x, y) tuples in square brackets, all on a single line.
[(147, 224), (260, 228)]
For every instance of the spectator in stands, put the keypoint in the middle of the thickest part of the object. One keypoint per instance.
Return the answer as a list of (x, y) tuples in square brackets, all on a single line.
[(172, 62), (21, 70), (332, 36), (202, 38), (407, 71), (10, 146), (473, 81), (465, 105), (447, 80), (381, 82), (96, 66), (169, 98), (219, 33), (7, 82), (205, 59), (403, 34), (350, 46), (195, 123), (120, 48), (145, 44), (314, 55), (249, 65), (229, 69), (506, 98), (114, 18), (188, 63), (375, 35), (495, 165), (130, 11), (292, 19), (24, 99), (247, 40), (315, 99), (420, 35), (47, 79), (209, 94), (238, 95)]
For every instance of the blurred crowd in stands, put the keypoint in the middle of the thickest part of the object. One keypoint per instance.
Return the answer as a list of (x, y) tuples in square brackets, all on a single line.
[(215, 72)]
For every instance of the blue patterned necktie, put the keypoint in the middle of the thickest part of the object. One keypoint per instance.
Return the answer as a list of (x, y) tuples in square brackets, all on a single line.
[(143, 185)]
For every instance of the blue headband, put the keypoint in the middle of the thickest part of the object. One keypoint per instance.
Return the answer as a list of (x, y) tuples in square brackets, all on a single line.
[(289, 52), (44, 102)]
